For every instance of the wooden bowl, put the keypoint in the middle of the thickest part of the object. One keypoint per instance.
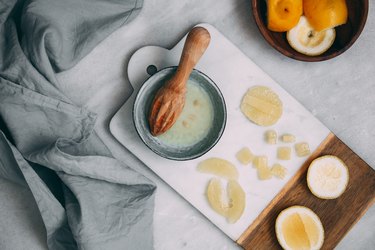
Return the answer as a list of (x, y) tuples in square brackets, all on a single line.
[(346, 34)]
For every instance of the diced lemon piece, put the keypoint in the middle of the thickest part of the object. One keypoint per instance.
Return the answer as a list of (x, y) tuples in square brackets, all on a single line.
[(260, 161), (327, 177), (218, 167), (283, 153), (245, 156), (278, 171), (298, 227), (288, 138), (271, 136), (262, 106), (264, 172), (302, 149)]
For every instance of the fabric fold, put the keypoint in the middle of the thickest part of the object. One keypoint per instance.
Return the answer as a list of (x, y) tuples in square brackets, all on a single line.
[(105, 204)]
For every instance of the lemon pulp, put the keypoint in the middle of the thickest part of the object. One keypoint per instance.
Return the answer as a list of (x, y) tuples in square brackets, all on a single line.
[(195, 120), (294, 232), (327, 177), (299, 228)]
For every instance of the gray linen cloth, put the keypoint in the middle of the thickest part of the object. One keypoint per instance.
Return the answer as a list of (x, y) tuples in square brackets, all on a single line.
[(86, 198)]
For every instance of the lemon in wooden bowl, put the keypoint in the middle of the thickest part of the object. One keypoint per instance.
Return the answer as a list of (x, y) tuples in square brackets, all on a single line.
[(345, 34)]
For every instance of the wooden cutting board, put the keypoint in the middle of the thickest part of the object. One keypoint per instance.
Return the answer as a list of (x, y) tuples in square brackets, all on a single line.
[(337, 215), (234, 73)]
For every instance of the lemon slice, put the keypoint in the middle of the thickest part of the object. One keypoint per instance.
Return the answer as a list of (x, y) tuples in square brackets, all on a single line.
[(327, 177), (298, 227), (262, 106), (304, 39)]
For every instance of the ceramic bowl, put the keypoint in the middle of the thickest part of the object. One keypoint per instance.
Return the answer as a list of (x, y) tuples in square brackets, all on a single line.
[(141, 109), (346, 34)]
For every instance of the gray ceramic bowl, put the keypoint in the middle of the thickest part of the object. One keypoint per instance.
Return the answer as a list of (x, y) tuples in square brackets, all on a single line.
[(141, 111)]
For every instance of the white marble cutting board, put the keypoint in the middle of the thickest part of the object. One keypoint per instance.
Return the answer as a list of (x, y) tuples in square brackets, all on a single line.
[(234, 73)]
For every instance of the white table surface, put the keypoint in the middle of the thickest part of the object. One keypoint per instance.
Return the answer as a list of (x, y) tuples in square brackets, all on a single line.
[(340, 92)]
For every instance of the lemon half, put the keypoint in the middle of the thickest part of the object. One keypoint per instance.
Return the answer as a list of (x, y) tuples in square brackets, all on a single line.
[(304, 39), (298, 228), (327, 177)]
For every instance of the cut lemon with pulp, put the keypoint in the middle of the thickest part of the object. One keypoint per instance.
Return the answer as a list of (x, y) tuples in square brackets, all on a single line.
[(304, 39), (327, 177), (299, 228)]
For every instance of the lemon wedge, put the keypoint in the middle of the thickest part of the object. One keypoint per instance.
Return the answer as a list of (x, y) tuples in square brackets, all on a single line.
[(298, 227), (215, 196), (218, 167), (229, 203), (304, 39), (327, 177), (237, 201)]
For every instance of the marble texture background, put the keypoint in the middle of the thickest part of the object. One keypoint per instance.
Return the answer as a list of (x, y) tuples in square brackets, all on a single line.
[(340, 92)]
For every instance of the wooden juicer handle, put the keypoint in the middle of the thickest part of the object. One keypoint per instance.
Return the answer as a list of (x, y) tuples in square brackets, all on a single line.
[(170, 99)]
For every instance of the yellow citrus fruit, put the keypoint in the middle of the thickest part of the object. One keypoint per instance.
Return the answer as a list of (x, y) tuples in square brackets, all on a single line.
[(327, 177), (215, 196), (262, 106), (218, 167), (299, 228), (237, 201), (325, 14), (282, 15), (304, 39), (230, 203)]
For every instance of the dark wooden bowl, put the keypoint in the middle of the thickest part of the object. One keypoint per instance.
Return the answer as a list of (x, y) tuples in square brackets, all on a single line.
[(346, 34)]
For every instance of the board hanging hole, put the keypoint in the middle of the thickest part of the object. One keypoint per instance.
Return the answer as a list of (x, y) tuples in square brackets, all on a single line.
[(151, 69)]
